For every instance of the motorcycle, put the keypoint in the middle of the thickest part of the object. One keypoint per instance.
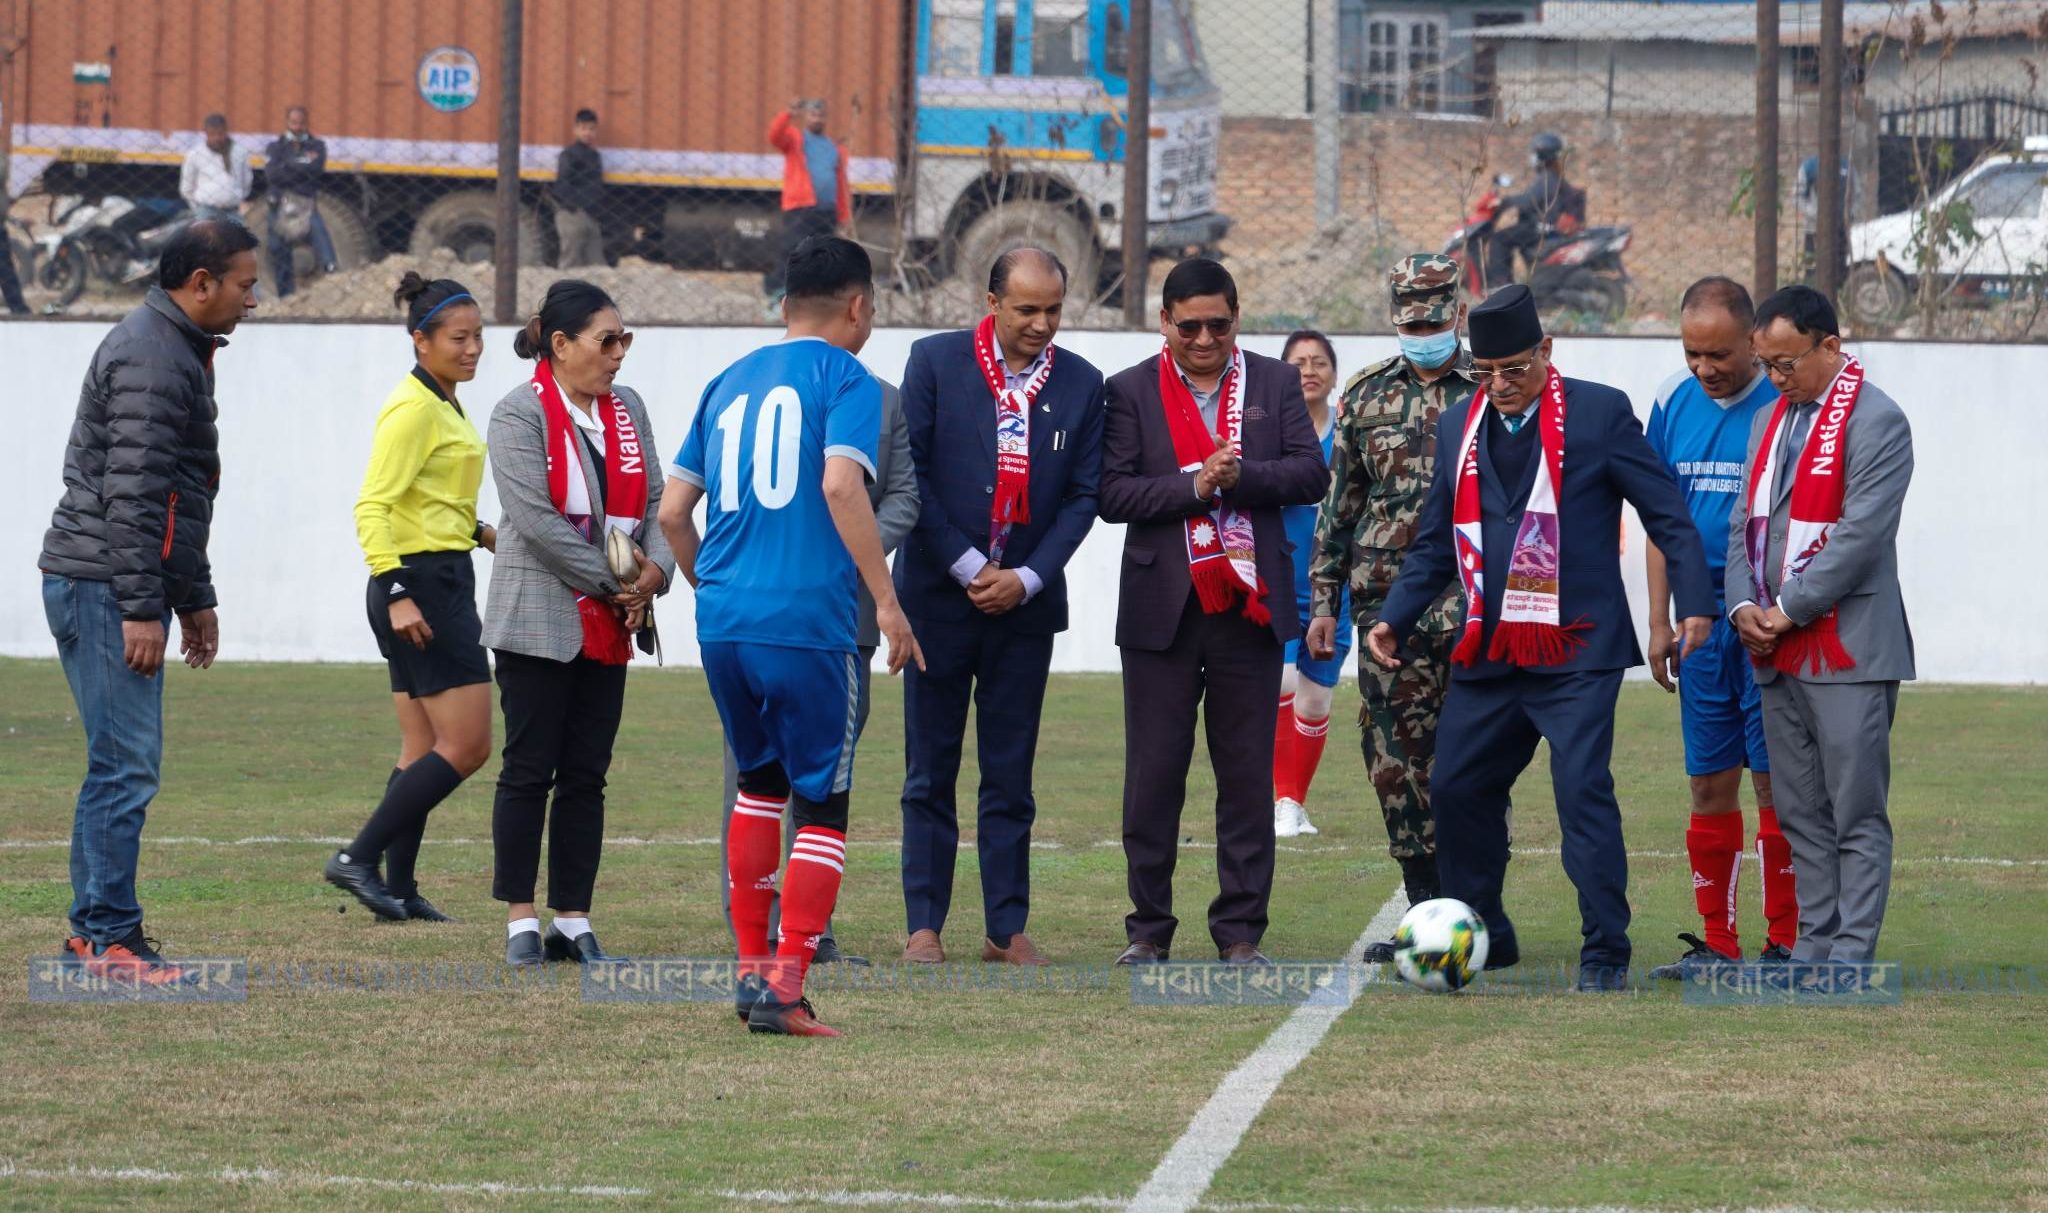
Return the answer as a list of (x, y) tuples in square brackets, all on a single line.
[(112, 238), (1575, 271)]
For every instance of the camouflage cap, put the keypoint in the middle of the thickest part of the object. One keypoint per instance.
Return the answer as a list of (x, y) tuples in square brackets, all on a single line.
[(1424, 288)]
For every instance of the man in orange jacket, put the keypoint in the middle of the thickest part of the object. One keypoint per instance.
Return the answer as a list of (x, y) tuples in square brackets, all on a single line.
[(815, 198)]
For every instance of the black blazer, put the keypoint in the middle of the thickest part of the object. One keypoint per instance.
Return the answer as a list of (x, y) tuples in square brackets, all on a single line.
[(952, 420), (1606, 461), (1142, 485)]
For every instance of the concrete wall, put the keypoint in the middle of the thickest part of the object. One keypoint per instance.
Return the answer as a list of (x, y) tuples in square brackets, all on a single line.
[(297, 403)]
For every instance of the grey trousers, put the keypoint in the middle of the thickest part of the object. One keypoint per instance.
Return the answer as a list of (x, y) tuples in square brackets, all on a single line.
[(582, 240), (1831, 773), (732, 791)]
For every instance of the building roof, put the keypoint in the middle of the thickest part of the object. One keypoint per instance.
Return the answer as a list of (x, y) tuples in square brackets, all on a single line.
[(1735, 23)]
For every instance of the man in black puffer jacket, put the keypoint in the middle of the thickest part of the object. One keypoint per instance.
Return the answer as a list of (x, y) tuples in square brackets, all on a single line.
[(125, 551)]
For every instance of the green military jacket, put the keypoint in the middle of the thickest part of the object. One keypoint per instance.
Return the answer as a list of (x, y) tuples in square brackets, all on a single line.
[(1382, 460)]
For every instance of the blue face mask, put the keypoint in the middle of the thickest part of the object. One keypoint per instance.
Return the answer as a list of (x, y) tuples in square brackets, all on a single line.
[(1432, 351)]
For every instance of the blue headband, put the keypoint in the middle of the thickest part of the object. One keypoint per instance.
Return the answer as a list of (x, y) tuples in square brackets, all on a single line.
[(458, 298)]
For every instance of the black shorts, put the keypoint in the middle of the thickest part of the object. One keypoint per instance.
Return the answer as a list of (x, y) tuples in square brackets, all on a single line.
[(443, 586)]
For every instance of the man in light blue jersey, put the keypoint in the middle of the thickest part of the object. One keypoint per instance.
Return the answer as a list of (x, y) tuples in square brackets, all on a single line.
[(781, 451), (1700, 428)]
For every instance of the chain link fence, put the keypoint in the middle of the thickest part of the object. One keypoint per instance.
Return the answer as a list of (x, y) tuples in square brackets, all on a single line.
[(1602, 150)]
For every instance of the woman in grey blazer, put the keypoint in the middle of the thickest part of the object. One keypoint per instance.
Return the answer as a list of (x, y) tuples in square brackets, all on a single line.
[(569, 455)]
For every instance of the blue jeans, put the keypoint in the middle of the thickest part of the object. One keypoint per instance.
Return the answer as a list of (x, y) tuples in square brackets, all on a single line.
[(280, 251), (123, 714)]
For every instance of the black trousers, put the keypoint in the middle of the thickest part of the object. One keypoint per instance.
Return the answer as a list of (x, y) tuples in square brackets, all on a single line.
[(1230, 667), (561, 718), (798, 226)]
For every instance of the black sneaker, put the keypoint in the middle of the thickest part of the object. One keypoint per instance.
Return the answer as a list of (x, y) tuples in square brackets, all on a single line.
[(829, 954), (419, 909), (361, 881), (772, 1017), (1697, 955), (749, 990), (1776, 954), (1381, 953)]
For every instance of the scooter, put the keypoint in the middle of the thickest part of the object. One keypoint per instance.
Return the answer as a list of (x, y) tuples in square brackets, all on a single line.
[(112, 238), (1575, 271)]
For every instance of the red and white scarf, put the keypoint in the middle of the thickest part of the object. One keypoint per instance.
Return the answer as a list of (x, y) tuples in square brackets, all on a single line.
[(1222, 556), (1530, 630), (1819, 479), (625, 486), (1013, 433)]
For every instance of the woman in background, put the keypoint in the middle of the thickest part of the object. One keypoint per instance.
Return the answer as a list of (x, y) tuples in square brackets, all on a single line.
[(416, 520), (1306, 683), (569, 454)]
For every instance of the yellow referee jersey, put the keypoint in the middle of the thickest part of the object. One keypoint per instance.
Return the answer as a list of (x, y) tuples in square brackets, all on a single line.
[(419, 493)]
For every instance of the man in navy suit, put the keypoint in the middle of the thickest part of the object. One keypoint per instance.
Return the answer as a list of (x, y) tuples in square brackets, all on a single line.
[(1006, 436), (1202, 446), (1526, 512)]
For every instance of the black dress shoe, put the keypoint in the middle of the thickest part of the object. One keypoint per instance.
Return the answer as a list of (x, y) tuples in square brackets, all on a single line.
[(1503, 953), (523, 950), (360, 880), (1142, 953), (1602, 979), (419, 908), (829, 953), (583, 949)]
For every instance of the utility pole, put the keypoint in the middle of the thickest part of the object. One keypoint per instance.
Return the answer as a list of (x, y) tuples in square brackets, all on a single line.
[(1322, 38), (511, 58), (1764, 183), (1138, 164), (1827, 243)]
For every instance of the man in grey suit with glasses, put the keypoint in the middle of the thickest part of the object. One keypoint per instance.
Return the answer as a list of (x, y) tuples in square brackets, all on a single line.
[(1814, 580)]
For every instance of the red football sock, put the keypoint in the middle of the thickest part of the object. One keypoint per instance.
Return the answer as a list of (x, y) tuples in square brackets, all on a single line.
[(1283, 748), (753, 850), (816, 864), (1714, 844), (1309, 736), (1781, 892)]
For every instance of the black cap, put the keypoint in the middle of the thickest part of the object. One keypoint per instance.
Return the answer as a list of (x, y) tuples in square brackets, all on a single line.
[(1505, 324)]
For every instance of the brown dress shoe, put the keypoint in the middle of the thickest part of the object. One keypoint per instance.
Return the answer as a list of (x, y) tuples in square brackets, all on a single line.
[(1142, 953), (1244, 954), (924, 948), (1020, 952)]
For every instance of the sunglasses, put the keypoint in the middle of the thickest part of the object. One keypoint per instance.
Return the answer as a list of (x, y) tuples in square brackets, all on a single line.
[(610, 343), (1217, 326), (1504, 372)]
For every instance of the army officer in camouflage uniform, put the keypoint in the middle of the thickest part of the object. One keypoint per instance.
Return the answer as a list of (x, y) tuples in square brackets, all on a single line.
[(1381, 464)]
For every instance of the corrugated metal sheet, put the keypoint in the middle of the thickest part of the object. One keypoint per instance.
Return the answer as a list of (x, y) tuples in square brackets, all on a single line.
[(696, 75)]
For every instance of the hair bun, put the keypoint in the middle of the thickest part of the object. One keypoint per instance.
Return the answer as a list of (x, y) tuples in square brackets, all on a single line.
[(526, 342), (410, 287)]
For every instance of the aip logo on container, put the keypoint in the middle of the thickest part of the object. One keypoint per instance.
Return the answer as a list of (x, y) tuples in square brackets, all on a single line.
[(450, 79)]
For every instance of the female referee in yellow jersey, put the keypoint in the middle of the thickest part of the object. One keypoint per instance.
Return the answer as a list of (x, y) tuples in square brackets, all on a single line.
[(416, 519)]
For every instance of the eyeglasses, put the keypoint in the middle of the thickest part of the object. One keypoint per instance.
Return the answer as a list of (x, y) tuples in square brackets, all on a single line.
[(1218, 326), (1786, 367), (1503, 372), (610, 343)]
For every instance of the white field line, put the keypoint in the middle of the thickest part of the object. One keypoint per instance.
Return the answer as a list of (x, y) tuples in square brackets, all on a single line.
[(842, 1198), (1183, 1176), (302, 1179), (967, 843)]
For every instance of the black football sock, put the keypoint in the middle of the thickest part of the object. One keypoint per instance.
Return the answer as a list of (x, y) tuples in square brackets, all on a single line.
[(403, 853), (406, 804)]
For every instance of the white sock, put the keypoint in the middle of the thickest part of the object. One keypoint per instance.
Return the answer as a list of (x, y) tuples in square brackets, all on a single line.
[(518, 925), (573, 928)]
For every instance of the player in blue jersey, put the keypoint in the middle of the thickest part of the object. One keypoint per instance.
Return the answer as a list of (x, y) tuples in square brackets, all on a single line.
[(1306, 682), (781, 451), (1700, 427)]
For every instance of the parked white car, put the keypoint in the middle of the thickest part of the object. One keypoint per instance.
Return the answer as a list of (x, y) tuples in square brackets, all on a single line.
[(2008, 200)]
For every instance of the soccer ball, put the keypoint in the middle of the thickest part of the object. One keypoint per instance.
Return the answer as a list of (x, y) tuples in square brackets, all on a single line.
[(1440, 945)]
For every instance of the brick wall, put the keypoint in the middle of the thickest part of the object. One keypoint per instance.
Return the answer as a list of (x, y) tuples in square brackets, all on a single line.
[(1407, 182)]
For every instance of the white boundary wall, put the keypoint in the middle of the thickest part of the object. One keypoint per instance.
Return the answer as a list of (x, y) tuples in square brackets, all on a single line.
[(297, 403)]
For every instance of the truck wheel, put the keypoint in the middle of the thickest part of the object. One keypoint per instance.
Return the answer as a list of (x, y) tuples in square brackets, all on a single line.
[(354, 246), (466, 224), (1011, 224), (1875, 295)]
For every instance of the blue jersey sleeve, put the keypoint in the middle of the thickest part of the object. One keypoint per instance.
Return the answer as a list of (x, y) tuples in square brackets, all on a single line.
[(853, 417), (689, 462)]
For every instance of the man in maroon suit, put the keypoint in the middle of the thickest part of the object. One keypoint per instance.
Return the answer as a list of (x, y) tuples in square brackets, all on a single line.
[(1201, 447)]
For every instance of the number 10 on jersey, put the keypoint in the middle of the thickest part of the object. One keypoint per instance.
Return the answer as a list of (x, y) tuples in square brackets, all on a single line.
[(778, 429)]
